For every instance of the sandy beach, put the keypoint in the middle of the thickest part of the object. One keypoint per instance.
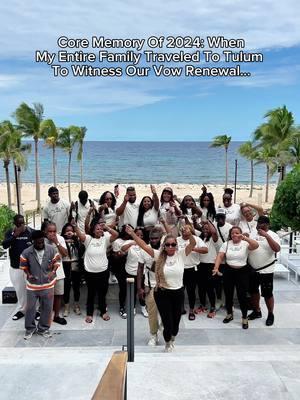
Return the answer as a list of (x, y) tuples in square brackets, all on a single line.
[(96, 189)]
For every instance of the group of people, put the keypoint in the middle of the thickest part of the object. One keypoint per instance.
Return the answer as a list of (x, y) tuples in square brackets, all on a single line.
[(168, 245)]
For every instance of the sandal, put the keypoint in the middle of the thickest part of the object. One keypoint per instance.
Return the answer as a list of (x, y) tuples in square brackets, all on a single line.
[(105, 317), (88, 319), (192, 316), (212, 313), (228, 318), (200, 310)]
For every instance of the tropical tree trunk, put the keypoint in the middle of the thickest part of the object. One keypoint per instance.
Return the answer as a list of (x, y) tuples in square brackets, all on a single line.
[(20, 185), (69, 176), (226, 167), (251, 178), (5, 165), (81, 172), (54, 165), (267, 184), (37, 174), (17, 188)]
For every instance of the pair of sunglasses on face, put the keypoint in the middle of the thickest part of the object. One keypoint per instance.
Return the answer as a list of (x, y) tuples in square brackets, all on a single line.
[(170, 244)]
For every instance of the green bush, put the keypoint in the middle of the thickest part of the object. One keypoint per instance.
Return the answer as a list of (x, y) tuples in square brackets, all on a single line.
[(286, 208), (6, 220)]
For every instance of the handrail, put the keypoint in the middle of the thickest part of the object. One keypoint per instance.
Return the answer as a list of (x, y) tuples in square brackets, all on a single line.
[(113, 383), (287, 234), (130, 319)]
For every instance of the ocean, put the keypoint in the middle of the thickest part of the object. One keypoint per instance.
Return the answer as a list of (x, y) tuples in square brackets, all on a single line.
[(146, 162)]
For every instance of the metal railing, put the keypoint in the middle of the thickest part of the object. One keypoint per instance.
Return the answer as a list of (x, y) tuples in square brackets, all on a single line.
[(130, 319)]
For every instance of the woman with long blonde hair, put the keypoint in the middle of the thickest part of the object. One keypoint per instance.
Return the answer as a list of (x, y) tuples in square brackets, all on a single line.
[(169, 292)]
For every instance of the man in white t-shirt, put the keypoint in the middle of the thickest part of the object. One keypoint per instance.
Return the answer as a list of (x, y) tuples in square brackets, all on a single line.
[(128, 211), (59, 245), (56, 210), (81, 208), (262, 261)]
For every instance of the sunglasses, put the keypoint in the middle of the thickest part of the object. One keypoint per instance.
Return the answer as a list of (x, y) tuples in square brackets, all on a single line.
[(170, 244)]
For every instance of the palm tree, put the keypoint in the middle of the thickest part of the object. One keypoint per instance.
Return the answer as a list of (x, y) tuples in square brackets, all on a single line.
[(267, 155), (6, 155), (223, 141), (294, 148), (29, 121), (249, 152), (50, 133), (12, 149), (277, 132), (79, 139), (67, 139)]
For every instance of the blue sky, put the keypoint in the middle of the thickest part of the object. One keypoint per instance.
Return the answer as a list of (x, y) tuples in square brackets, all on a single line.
[(152, 108)]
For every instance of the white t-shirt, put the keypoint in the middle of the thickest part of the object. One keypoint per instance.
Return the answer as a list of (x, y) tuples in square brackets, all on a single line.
[(130, 215), (40, 255), (147, 260), (210, 256), (225, 233), (168, 213), (233, 214), (57, 213), (263, 255), (95, 258), (248, 227), (204, 216), (236, 254), (117, 244), (60, 271), (150, 217), (193, 259), (111, 217), (81, 214), (173, 270), (132, 260)]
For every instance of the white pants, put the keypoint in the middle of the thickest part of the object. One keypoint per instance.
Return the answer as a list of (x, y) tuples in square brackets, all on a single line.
[(17, 277)]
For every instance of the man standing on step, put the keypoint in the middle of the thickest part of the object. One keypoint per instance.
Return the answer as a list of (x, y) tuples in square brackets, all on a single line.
[(17, 240), (57, 210), (262, 260), (40, 262)]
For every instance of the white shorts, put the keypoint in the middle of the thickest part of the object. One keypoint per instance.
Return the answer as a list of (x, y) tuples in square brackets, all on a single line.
[(59, 287)]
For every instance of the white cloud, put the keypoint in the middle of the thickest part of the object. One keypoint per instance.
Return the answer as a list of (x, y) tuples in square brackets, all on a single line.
[(26, 26)]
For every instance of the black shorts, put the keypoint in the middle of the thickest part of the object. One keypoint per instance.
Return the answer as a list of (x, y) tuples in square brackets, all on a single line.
[(265, 281)]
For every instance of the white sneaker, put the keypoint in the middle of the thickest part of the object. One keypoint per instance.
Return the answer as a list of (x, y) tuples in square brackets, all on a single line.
[(28, 334), (219, 305), (144, 311), (168, 347), (153, 341), (172, 342), (46, 334)]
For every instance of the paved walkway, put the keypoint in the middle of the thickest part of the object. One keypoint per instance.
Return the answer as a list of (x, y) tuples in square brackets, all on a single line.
[(210, 361)]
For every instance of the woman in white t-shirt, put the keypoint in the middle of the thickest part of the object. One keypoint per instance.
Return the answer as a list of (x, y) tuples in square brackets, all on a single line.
[(248, 221), (207, 205), (107, 209), (148, 212), (95, 264), (168, 209), (207, 284), (236, 274), (189, 209), (232, 210), (168, 294)]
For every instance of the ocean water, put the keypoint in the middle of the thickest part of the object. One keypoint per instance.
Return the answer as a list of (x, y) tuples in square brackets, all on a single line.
[(146, 162)]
